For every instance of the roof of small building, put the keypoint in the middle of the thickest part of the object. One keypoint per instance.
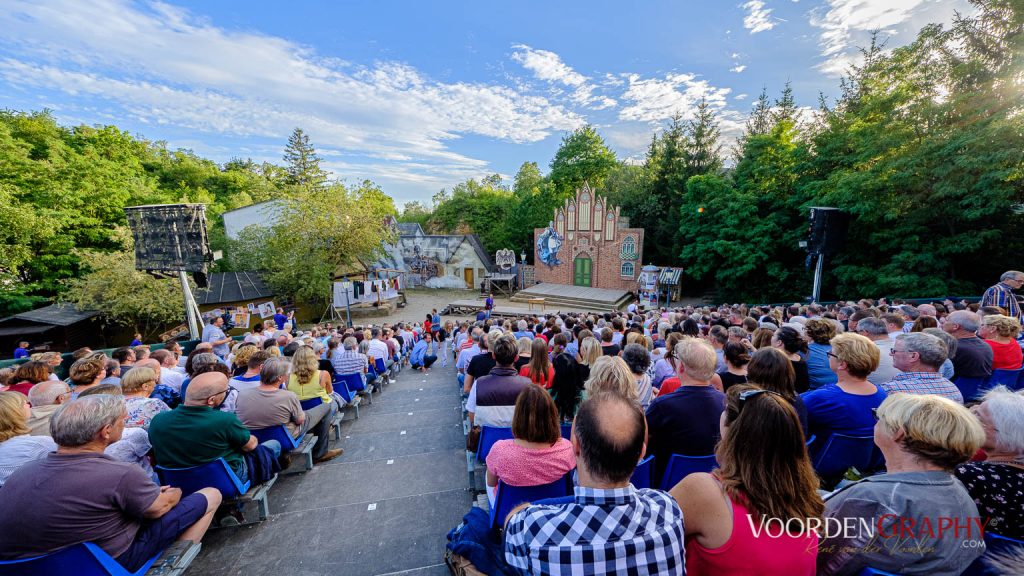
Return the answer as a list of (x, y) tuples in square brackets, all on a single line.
[(54, 314), (233, 287)]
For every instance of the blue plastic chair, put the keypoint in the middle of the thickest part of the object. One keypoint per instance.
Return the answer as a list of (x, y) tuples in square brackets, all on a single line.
[(85, 559), (841, 451), (869, 571), (279, 433), (1008, 378), (216, 474), (994, 544), (811, 440), (508, 497), (970, 387), (488, 436), (381, 368), (642, 476), (567, 431), (680, 466)]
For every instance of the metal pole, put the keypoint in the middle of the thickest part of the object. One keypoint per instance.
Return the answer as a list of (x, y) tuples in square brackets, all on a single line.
[(348, 311), (190, 307), (816, 292)]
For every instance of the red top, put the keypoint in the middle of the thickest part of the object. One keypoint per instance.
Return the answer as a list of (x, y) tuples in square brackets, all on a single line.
[(426, 327), (24, 386), (775, 552), (545, 381), (669, 385), (1005, 356), (518, 466)]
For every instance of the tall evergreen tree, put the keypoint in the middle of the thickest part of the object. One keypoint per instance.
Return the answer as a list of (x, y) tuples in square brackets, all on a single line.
[(703, 149), (302, 162)]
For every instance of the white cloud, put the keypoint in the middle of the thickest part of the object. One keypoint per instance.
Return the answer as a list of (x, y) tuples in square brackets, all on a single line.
[(738, 68), (655, 99), (848, 24), (162, 65), (740, 97), (758, 18), (549, 67)]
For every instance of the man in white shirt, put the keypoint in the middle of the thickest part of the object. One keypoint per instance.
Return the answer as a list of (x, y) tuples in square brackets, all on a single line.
[(378, 348), (168, 375)]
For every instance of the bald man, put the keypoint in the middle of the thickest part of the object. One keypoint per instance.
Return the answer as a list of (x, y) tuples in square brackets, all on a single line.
[(609, 438), (197, 432)]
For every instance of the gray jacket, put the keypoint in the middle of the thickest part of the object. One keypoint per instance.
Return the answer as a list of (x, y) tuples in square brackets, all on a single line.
[(878, 511)]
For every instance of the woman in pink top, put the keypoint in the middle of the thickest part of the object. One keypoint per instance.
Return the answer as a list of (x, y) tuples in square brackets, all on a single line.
[(736, 517), (537, 454)]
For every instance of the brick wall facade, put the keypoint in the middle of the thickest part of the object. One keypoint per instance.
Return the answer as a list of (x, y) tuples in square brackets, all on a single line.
[(591, 228)]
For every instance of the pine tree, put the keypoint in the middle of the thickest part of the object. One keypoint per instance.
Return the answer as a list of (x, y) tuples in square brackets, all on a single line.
[(303, 163), (703, 149)]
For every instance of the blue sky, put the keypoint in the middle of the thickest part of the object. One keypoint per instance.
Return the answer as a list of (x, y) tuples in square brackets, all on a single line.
[(418, 96)]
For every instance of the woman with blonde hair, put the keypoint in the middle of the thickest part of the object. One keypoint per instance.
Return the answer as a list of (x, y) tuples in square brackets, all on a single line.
[(539, 369), (240, 360), (1000, 333), (755, 513), (313, 387), (52, 360), (17, 446), (136, 386), (923, 437), (613, 374), (524, 346)]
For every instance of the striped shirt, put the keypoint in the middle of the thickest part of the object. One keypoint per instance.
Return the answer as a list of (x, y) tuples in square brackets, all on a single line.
[(1001, 295), (617, 531), (923, 383)]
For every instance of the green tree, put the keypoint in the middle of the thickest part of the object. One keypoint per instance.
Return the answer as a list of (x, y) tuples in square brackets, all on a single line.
[(483, 208), (582, 157), (302, 162), (415, 212)]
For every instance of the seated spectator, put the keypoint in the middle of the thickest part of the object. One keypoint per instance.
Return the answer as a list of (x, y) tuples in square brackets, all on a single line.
[(638, 359), (764, 475), (628, 531), (113, 372), (136, 386), (46, 398), (718, 337), (240, 359), (196, 432), (923, 438), (667, 365), (924, 322), (771, 370), (424, 353), (973, 358), (1000, 333), (762, 337), (918, 356), (492, 399), (997, 483), (537, 454), (685, 421), (946, 369), (609, 348), (350, 360), (314, 389), (92, 498), (250, 379), (203, 363), (539, 370), (269, 405), (169, 375), (819, 332), (524, 346), (125, 356), (17, 446), (28, 375), (134, 446), (736, 358), (846, 406), (481, 364), (567, 384), (613, 374), (789, 340)]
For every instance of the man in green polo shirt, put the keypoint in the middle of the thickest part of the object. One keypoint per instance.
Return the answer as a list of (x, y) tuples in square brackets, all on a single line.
[(196, 432)]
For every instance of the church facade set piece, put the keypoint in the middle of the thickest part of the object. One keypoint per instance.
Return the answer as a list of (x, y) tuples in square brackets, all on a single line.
[(589, 243)]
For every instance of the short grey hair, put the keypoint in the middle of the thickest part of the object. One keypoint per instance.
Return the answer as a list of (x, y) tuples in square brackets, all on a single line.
[(1010, 275), (76, 424), (966, 319), (204, 359), (522, 325), (273, 369), (375, 333), (873, 326), (1006, 409), (951, 343), (350, 343), (46, 392), (931, 349)]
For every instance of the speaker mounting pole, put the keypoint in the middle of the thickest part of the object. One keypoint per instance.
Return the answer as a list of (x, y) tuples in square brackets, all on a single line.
[(816, 291)]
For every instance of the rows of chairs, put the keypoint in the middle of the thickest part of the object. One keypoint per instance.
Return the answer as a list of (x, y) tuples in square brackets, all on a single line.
[(972, 389)]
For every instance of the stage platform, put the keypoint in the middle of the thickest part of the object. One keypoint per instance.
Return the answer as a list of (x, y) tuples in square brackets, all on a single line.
[(576, 297)]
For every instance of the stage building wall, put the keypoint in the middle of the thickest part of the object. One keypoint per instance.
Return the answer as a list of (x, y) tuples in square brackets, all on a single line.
[(589, 229)]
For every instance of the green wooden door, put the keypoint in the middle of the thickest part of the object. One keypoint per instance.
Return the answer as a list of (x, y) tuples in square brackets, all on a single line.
[(581, 272)]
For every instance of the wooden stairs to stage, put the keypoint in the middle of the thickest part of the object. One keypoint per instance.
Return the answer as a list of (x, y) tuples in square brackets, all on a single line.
[(575, 297)]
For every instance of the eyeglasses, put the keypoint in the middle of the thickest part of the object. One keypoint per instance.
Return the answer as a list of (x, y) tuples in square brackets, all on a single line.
[(748, 394), (224, 391), (829, 353)]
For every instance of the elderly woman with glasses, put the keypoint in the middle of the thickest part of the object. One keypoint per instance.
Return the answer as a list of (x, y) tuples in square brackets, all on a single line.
[(755, 513), (899, 518), (997, 483), (136, 386)]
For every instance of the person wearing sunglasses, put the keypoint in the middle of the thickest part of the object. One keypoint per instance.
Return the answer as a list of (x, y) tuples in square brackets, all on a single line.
[(923, 438), (764, 479)]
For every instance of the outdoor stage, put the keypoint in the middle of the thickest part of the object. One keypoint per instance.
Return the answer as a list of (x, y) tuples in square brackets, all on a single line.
[(575, 297)]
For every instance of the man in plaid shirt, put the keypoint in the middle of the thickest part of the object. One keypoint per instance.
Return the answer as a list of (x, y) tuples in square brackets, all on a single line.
[(1002, 294), (918, 357), (610, 527)]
